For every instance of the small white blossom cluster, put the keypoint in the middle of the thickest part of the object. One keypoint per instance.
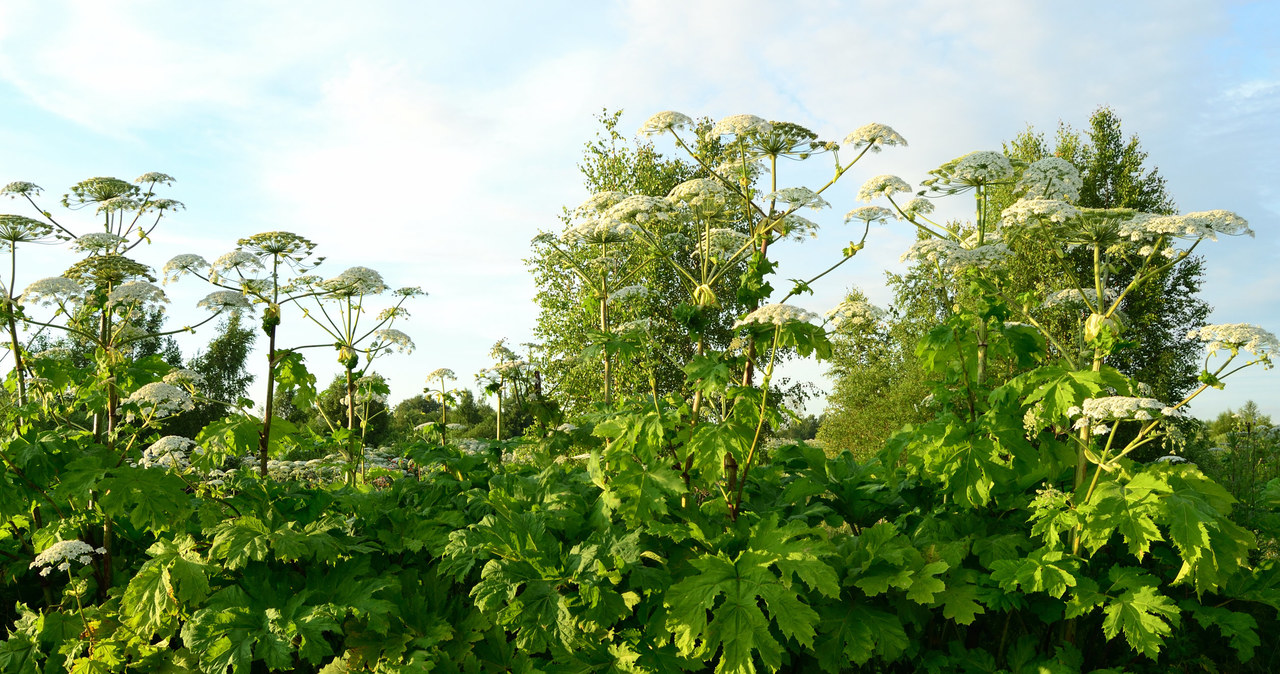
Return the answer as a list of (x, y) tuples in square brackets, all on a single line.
[(171, 451), (599, 202), (219, 300), (395, 339), (882, 186), (98, 242), (875, 136), (1077, 296), (1118, 408), (1200, 225), (798, 197), (777, 314), (627, 292), (662, 122), (639, 209), (509, 368), (355, 282), (50, 291), (796, 227), (1050, 178), (178, 265), (239, 261), (566, 428), (1234, 336), (184, 378), (870, 214), (952, 256), (918, 206), (733, 169), (1032, 212), (441, 373), (54, 353), (981, 168), (62, 553), (599, 231), (701, 195), (721, 243), (135, 293), (1167, 252), (740, 125), (855, 313), (162, 399)]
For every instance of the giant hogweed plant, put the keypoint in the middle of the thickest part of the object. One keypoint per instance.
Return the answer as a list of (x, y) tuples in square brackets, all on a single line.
[(1108, 543)]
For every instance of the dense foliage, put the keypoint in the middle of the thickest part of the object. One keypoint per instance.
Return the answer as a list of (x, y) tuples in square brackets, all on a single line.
[(662, 529)]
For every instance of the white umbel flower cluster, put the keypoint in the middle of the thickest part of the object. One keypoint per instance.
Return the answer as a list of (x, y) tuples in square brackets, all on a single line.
[(178, 265), (441, 373), (740, 125), (355, 282), (876, 136), (239, 261), (600, 231), (136, 293), (721, 243), (777, 314), (640, 209), (855, 313), (396, 339), (644, 325), (56, 290), (981, 168), (918, 206), (1199, 225), (1050, 178), (1077, 296), (870, 214), (223, 299), (98, 242), (882, 186), (161, 399), (1235, 336), (1118, 408), (669, 120), (952, 256), (703, 196), (599, 203), (627, 292), (1034, 212), (171, 451), (798, 197), (62, 553), (184, 378)]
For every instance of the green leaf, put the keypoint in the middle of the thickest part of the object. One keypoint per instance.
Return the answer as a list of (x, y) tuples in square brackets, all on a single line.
[(1144, 615), (151, 498)]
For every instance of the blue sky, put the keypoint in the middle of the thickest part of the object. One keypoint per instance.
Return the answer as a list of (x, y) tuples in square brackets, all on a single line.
[(432, 141)]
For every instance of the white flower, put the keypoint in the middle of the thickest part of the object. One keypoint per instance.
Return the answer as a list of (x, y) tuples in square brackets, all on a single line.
[(796, 227), (640, 209), (62, 553), (1200, 225), (599, 203), (740, 125), (721, 243), (1235, 336), (626, 292), (98, 241), (54, 353), (952, 256), (1030, 212), (395, 338), (1050, 178), (155, 177), (600, 231), (870, 214), (854, 312), (223, 299), (1171, 458), (638, 325), (982, 167), (185, 378), (566, 428), (183, 264), (171, 451), (51, 291), (798, 197), (918, 205), (1116, 408), (669, 120), (701, 195), (136, 293), (239, 261), (441, 373), (882, 186), (355, 282), (162, 399), (875, 136), (776, 314), (508, 368)]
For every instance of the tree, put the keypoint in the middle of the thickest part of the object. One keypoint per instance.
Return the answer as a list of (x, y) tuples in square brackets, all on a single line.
[(876, 382), (223, 367), (568, 310)]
